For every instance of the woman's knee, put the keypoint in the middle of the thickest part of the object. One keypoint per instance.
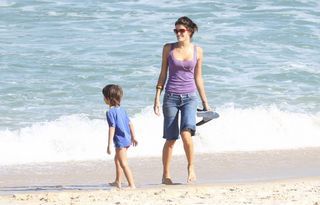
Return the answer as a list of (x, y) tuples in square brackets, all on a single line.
[(186, 137), (170, 143)]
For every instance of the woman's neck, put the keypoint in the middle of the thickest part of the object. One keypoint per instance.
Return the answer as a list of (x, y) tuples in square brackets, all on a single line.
[(184, 44)]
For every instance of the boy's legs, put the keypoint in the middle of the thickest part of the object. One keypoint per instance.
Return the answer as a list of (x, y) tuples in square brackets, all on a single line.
[(117, 181), (121, 154)]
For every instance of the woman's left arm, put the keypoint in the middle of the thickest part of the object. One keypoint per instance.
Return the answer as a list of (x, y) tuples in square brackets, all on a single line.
[(199, 80)]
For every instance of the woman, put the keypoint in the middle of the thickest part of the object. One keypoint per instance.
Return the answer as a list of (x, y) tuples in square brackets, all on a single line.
[(184, 61)]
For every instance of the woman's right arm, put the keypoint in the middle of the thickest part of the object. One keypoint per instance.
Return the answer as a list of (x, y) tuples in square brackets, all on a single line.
[(162, 78)]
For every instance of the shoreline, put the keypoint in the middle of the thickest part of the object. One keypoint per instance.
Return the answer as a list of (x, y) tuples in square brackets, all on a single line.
[(214, 168)]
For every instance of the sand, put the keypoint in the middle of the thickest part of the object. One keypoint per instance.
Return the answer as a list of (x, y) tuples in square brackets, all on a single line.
[(294, 191), (266, 177)]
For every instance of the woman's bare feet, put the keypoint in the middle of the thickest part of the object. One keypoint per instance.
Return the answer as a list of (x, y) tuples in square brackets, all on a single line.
[(116, 184), (130, 187), (191, 175), (167, 181)]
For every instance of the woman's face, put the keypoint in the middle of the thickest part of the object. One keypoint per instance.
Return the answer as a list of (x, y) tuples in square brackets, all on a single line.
[(182, 33)]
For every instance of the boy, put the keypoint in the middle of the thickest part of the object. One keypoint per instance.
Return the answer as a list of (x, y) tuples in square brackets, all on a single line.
[(120, 131)]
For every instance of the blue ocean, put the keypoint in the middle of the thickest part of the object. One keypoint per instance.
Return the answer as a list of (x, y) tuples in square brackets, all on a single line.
[(261, 71)]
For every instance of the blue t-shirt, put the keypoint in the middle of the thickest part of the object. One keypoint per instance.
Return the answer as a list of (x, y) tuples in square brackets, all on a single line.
[(118, 118)]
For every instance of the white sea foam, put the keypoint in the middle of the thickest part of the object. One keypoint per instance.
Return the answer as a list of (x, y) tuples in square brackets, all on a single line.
[(28, 8), (53, 13), (77, 137), (4, 3)]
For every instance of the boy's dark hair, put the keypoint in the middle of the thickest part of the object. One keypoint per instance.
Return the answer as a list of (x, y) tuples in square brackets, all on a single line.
[(113, 93), (188, 23)]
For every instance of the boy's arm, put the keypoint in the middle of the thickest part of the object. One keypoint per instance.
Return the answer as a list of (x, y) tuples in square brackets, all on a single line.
[(133, 137), (110, 138)]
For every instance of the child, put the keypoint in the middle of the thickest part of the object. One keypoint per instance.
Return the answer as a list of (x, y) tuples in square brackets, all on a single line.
[(120, 131)]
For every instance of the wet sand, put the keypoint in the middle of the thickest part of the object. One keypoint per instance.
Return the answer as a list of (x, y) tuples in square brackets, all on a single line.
[(285, 177), (210, 168)]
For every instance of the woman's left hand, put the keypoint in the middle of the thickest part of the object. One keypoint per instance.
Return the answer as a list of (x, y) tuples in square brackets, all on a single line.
[(206, 106)]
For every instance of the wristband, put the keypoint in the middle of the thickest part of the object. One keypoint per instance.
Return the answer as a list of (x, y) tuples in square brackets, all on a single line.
[(159, 87)]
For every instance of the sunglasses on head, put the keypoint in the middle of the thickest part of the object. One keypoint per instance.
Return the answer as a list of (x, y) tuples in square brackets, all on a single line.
[(182, 30)]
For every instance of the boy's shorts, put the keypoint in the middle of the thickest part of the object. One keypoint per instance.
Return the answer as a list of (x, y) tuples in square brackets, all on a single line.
[(172, 104)]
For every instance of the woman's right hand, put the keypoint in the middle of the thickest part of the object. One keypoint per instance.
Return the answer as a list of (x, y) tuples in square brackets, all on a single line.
[(156, 106)]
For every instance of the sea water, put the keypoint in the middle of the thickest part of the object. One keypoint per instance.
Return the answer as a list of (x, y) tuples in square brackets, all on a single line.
[(261, 71)]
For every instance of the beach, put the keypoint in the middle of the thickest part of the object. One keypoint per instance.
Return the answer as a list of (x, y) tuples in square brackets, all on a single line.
[(261, 73), (265, 177), (294, 191)]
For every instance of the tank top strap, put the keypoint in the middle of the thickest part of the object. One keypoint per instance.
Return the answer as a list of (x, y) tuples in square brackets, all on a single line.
[(195, 53), (172, 46)]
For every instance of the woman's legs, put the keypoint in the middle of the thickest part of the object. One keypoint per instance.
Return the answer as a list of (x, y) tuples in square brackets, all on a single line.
[(171, 133), (121, 154), (166, 159), (187, 104), (188, 128), (188, 148)]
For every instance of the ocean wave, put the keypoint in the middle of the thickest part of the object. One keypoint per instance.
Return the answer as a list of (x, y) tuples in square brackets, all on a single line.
[(76, 137), (6, 3)]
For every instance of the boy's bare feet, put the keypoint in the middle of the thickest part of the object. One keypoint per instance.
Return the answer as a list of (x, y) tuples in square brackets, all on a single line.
[(167, 181), (191, 175), (116, 184)]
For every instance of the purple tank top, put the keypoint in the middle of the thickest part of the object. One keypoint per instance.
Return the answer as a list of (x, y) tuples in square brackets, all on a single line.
[(181, 74)]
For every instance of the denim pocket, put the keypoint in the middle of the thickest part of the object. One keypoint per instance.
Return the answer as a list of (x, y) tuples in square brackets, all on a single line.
[(191, 97), (170, 105)]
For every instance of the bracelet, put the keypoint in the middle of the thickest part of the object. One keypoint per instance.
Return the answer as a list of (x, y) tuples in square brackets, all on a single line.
[(159, 87)]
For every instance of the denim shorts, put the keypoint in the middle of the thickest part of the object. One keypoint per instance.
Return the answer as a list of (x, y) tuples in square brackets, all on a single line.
[(173, 104)]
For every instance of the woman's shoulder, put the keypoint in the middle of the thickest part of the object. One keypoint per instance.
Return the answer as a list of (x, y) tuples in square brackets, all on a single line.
[(168, 46), (197, 47), (167, 49), (199, 50)]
